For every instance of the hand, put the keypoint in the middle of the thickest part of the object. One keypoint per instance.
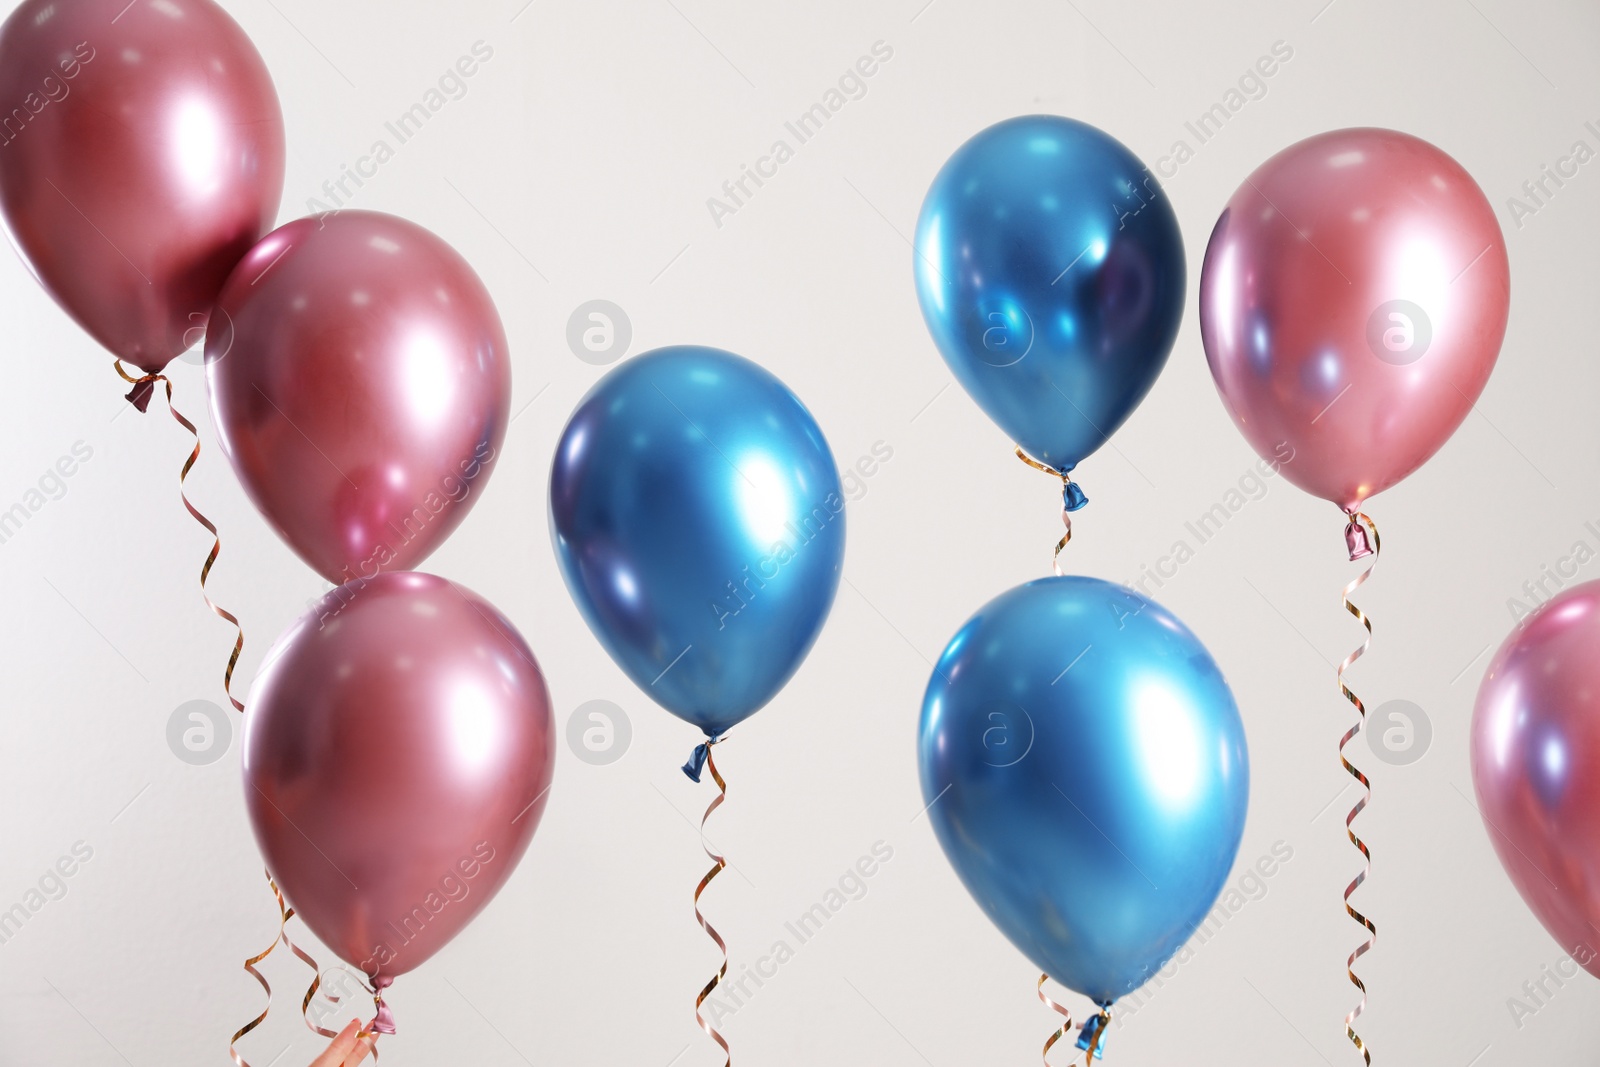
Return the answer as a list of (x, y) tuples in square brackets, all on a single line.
[(348, 1049)]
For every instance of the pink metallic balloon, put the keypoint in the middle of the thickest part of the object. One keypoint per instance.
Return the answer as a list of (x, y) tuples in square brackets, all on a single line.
[(361, 387), (141, 154), (398, 748), (1536, 765), (1352, 303)]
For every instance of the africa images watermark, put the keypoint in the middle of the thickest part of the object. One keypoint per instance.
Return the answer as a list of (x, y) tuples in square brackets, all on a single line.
[(51, 886), (1204, 128), (736, 991), (53, 89), (1538, 992), (1252, 485), (451, 489), (455, 885), (1556, 576), (1539, 191), (52, 485), (754, 577), (1251, 85), (1250, 887), (851, 85), (451, 85)]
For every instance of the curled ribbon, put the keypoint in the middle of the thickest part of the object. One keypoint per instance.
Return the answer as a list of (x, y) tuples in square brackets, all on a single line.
[(1092, 1037), (1072, 498), (332, 998), (139, 397), (285, 913), (1360, 546), (316, 984), (1066, 1016), (720, 863), (381, 1023)]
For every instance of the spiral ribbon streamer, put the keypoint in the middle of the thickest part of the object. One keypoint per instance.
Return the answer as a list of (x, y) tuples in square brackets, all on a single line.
[(285, 913), (1094, 1031), (720, 862), (382, 1021), (1072, 498), (1360, 546), (139, 397)]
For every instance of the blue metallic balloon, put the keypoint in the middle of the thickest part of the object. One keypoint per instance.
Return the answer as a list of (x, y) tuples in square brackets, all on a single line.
[(1086, 772), (699, 522), (1051, 274)]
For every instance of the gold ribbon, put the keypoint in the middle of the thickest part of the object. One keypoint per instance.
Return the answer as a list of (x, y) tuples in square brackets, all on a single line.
[(216, 546), (316, 983), (1366, 854), (1067, 1027), (285, 913), (305, 1001), (1066, 516), (720, 862)]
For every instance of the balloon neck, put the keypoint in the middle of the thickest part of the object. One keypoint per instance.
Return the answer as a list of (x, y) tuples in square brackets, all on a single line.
[(383, 1021), (697, 758), (1356, 539), (1092, 1038), (1072, 496), (139, 396)]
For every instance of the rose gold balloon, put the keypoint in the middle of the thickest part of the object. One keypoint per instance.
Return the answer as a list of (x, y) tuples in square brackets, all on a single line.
[(1352, 303), (141, 154), (1536, 765), (397, 754), (361, 387)]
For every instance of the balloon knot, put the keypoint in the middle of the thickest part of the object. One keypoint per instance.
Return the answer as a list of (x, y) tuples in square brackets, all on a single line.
[(1072, 496), (139, 396), (383, 1022), (1093, 1034), (1356, 540), (697, 758)]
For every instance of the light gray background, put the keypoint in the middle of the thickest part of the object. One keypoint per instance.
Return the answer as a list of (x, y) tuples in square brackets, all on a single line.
[(578, 166)]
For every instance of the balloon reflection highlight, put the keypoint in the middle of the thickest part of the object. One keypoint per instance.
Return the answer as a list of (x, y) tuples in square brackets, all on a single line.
[(699, 523), (142, 154), (397, 757), (1085, 770), (1352, 304), (360, 384), (1050, 270), (1536, 766)]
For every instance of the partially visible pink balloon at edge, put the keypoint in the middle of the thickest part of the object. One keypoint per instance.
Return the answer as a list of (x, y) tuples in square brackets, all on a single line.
[(1352, 304), (1536, 766), (141, 155)]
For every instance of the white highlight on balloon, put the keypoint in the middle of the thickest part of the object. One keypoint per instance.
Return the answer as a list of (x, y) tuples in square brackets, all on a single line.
[(765, 503), (1169, 743), (197, 147), (475, 732), (430, 388)]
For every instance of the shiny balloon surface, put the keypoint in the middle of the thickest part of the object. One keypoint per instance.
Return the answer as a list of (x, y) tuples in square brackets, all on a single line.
[(1536, 766), (699, 522), (398, 751), (361, 387), (1085, 769), (1050, 270), (1352, 304), (141, 155)]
